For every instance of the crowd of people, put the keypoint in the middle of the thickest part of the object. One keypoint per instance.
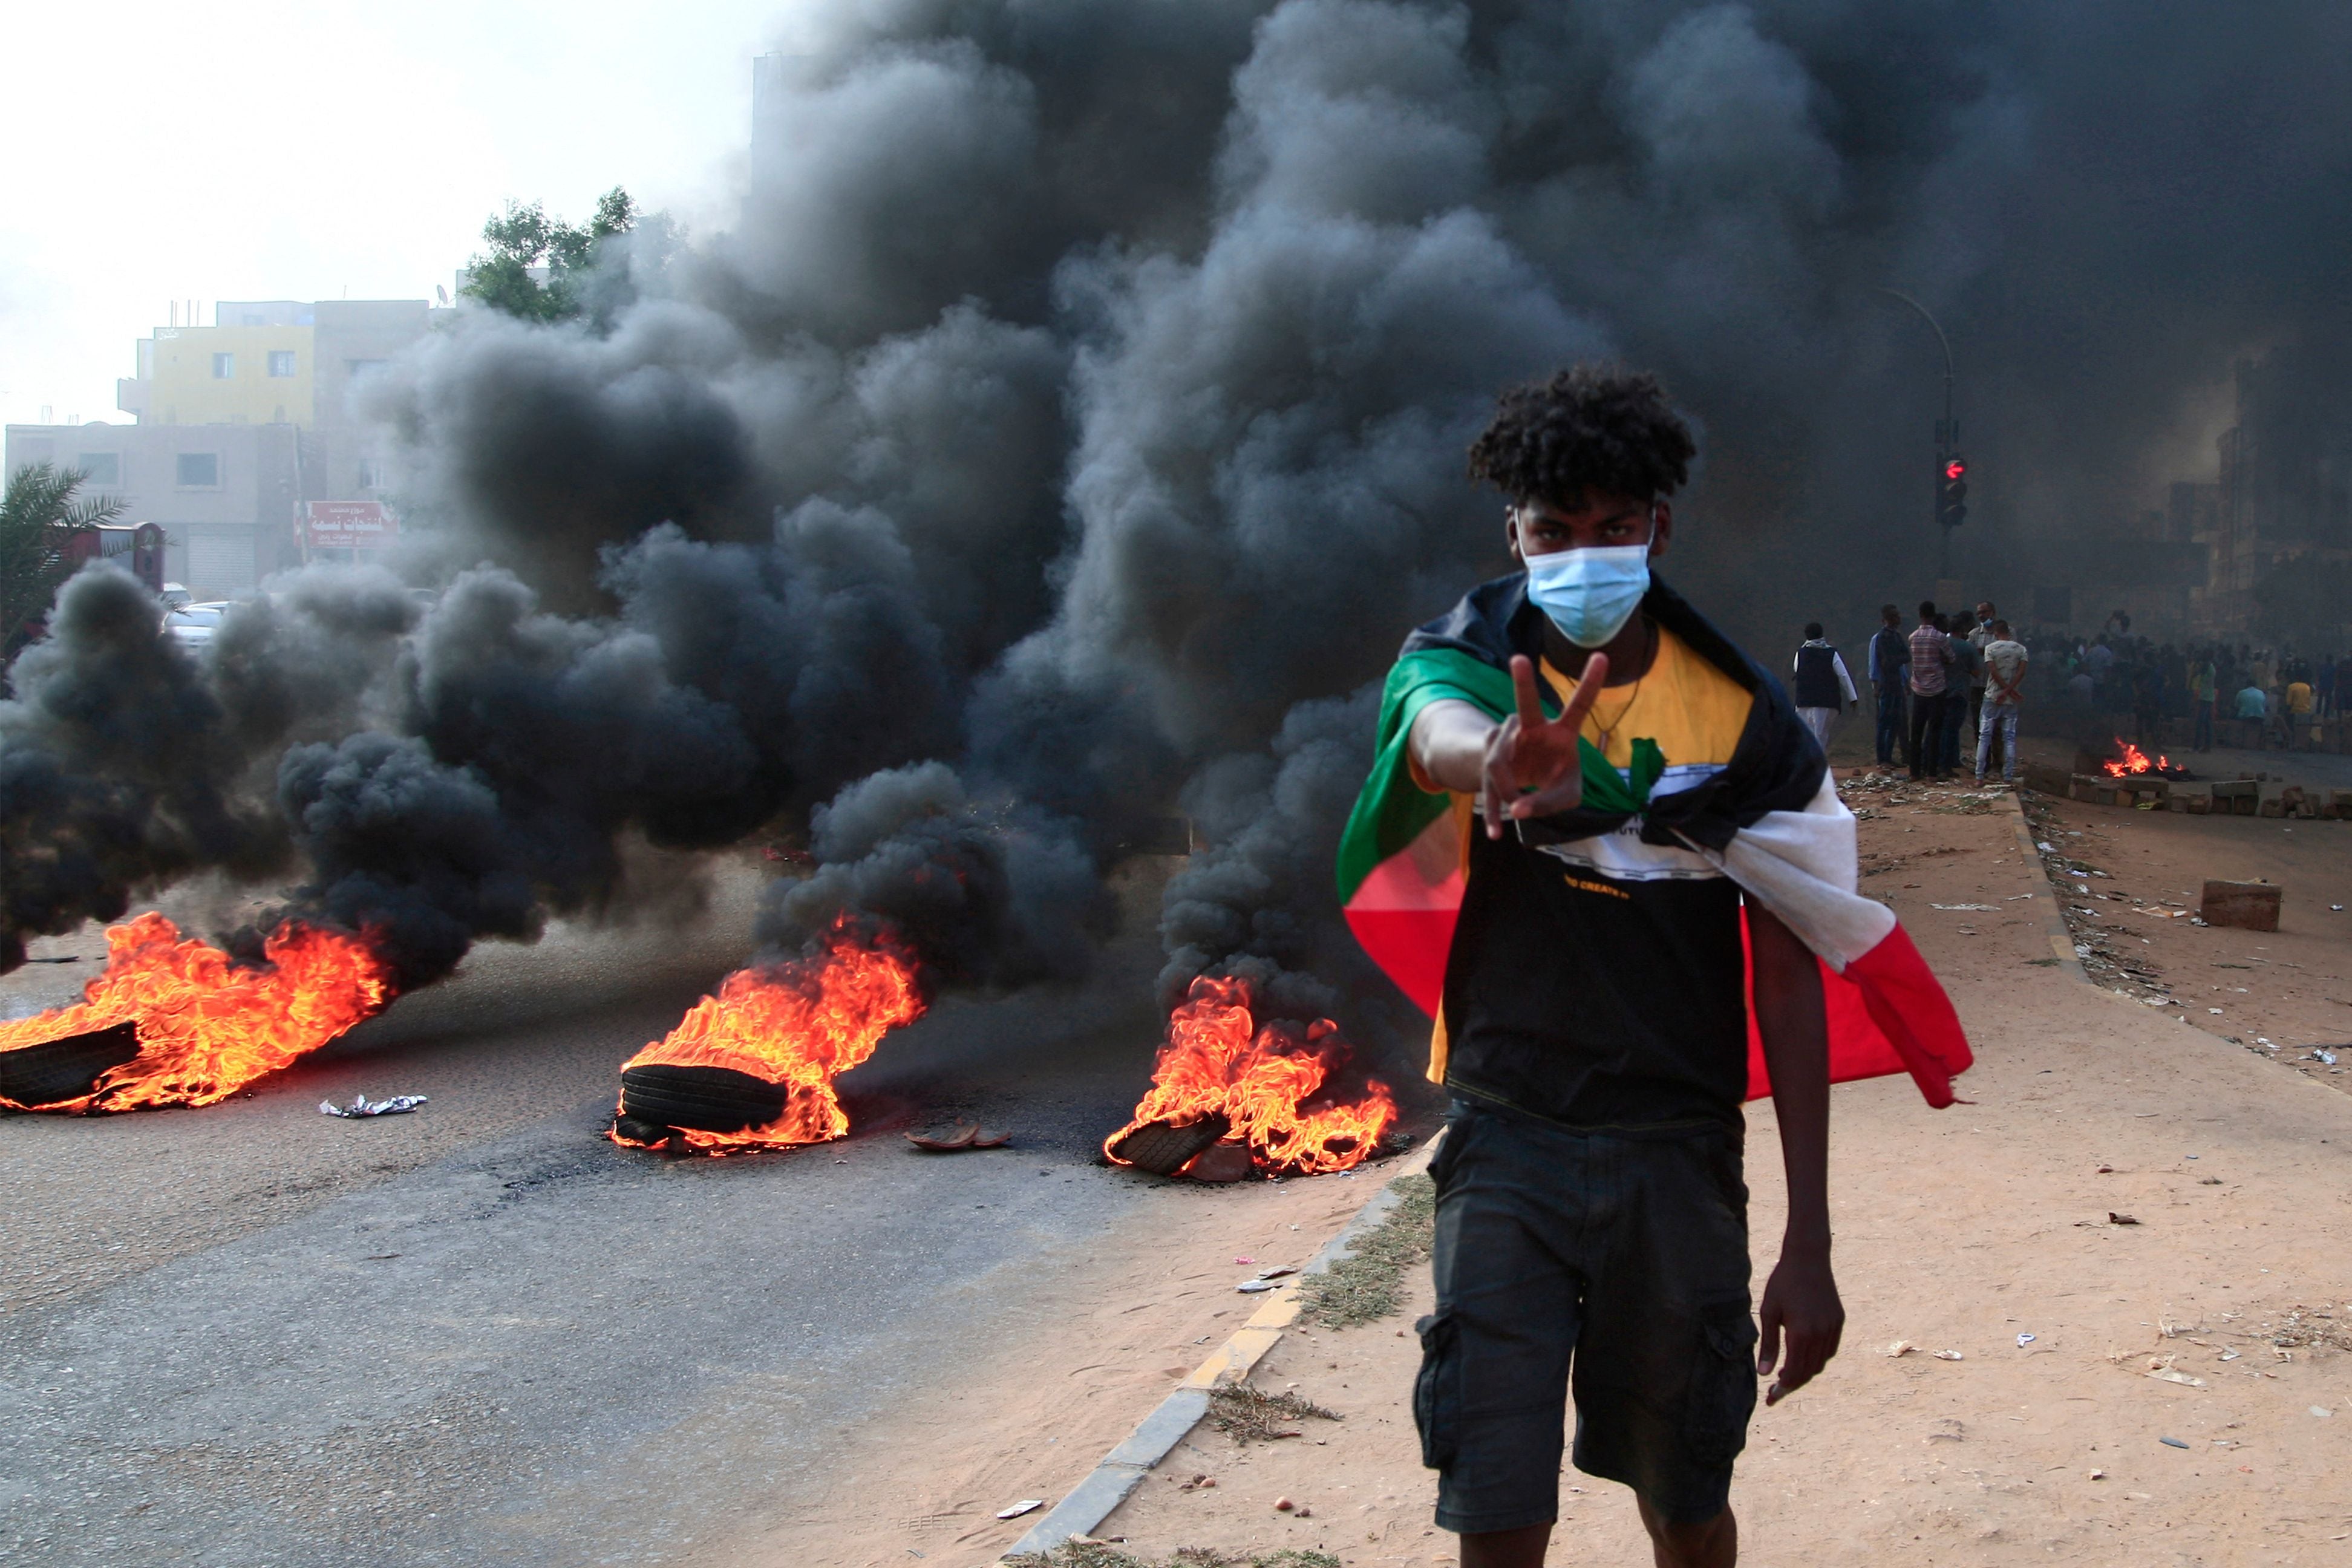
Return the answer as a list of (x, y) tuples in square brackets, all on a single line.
[(1946, 674), (2205, 693)]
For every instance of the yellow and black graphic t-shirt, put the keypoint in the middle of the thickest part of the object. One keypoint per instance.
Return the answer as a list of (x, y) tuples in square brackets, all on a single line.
[(1599, 982)]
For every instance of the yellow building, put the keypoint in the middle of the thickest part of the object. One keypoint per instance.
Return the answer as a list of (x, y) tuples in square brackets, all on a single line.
[(228, 375)]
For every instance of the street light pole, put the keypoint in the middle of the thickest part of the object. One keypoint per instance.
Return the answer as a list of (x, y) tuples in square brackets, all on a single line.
[(1947, 428)]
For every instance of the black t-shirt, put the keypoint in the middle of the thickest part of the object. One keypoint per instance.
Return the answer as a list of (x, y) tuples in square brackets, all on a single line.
[(1595, 1002)]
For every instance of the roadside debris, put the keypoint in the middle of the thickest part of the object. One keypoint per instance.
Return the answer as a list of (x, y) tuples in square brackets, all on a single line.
[(967, 1135), (1950, 1355), (2115, 1218), (1251, 1415), (1026, 1505), (398, 1105), (1265, 1280), (1901, 1348), (2172, 1442)]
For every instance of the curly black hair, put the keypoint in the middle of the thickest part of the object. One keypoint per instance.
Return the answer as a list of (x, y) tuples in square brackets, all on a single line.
[(1591, 427)]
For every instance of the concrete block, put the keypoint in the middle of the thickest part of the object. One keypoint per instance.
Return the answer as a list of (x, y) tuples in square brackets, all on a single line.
[(2243, 805), (2197, 799), (2249, 905)]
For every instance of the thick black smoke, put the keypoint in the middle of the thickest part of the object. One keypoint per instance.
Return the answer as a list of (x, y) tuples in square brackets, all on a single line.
[(1075, 418)]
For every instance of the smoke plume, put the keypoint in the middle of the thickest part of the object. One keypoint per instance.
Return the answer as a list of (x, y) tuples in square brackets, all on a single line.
[(1072, 423)]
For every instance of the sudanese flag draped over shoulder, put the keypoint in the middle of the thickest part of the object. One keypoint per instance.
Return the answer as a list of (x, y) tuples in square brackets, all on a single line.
[(1771, 820)]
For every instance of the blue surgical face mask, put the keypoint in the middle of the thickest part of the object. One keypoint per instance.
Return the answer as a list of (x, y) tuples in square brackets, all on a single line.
[(1590, 594)]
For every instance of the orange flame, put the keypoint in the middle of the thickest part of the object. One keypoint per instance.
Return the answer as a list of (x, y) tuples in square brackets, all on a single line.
[(208, 1025), (1216, 1061), (2135, 760), (800, 1024)]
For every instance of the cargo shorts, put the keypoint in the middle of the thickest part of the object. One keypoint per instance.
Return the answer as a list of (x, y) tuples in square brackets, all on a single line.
[(1613, 1260)]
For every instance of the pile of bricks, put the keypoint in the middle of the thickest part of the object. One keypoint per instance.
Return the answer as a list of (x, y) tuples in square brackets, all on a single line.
[(2221, 797)]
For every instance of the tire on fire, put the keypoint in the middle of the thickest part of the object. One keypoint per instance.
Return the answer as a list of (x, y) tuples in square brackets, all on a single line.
[(60, 1070), (1163, 1150), (704, 1098)]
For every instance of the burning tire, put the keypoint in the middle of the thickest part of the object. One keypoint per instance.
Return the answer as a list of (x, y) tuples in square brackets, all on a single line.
[(64, 1069), (706, 1100), (1164, 1150)]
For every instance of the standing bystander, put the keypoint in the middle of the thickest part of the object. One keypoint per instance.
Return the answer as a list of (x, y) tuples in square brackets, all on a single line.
[(1968, 662), (1931, 655), (1890, 663), (2004, 662)]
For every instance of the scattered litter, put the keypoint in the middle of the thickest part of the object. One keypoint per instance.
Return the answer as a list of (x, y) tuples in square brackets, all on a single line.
[(398, 1105), (2321, 1412), (1244, 1262), (2167, 1374), (1901, 1348), (1283, 1505), (2047, 849), (1026, 1505), (1949, 1355), (2025, 1340), (2115, 1218), (1964, 906), (1252, 1287), (2172, 1442), (2327, 1057), (2336, 908), (964, 1136), (2098, 1475), (2229, 1355)]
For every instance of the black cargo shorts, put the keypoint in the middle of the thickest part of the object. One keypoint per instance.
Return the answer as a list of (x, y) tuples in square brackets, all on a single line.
[(1616, 1259)]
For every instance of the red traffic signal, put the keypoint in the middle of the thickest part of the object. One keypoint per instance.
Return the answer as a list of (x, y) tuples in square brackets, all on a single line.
[(1954, 467)]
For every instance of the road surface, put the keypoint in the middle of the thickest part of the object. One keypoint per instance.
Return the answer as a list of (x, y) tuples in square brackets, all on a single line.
[(254, 1334)]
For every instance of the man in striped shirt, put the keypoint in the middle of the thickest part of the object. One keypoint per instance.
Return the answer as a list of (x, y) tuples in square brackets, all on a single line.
[(1931, 656)]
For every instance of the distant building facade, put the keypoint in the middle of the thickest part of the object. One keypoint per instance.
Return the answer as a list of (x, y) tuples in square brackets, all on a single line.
[(241, 427), (226, 495)]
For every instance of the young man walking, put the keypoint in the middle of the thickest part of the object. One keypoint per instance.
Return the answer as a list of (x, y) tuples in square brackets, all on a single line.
[(2004, 665), (1581, 793), (1822, 687), (1890, 669), (1931, 656)]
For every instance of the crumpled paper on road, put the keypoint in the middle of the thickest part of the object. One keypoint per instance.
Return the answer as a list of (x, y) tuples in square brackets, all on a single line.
[(398, 1105)]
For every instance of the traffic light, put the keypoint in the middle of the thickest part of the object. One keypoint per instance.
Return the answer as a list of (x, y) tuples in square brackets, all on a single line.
[(1951, 492)]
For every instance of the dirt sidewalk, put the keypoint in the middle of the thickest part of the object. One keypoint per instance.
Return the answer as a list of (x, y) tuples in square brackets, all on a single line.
[(2164, 1391)]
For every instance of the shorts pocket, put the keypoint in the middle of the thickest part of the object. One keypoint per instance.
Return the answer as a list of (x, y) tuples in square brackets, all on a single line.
[(1436, 1392), (1722, 1396)]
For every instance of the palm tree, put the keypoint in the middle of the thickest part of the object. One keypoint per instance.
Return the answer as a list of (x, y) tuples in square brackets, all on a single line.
[(41, 508)]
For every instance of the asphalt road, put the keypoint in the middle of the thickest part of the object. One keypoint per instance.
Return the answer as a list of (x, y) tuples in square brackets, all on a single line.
[(254, 1334)]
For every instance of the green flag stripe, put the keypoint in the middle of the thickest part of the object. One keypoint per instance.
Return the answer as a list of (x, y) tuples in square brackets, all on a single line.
[(1391, 811)]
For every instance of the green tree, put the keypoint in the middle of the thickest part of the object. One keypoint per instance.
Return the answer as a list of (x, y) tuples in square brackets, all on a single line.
[(43, 505), (525, 238)]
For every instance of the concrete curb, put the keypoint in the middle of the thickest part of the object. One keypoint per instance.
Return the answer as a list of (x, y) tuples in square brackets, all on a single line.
[(1121, 1470), (2045, 897)]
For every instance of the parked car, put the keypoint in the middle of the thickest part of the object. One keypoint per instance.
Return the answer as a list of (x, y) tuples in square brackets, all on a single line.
[(192, 626)]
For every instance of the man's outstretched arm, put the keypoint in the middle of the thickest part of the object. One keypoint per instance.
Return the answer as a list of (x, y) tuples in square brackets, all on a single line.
[(1800, 1300)]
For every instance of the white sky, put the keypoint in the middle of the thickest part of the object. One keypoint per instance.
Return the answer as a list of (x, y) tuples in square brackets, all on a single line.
[(271, 149)]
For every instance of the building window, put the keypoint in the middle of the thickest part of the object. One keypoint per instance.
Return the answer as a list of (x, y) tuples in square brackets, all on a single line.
[(101, 468), (199, 470), (281, 361), (224, 367), (367, 475)]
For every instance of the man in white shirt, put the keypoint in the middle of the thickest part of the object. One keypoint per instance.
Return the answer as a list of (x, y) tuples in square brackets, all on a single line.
[(2004, 675)]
